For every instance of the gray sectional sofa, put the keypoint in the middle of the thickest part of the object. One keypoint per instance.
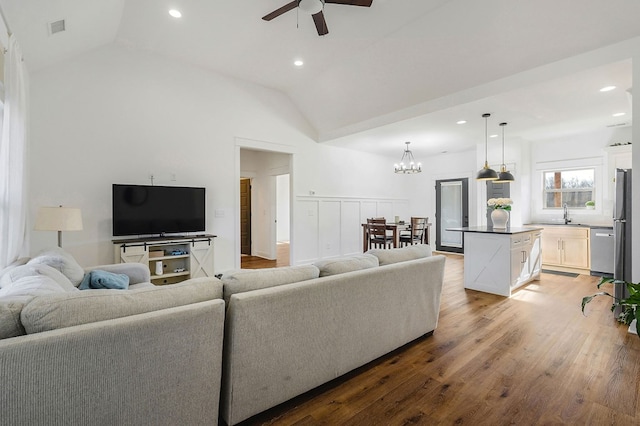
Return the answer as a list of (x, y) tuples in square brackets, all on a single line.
[(148, 355), (205, 349), (289, 330)]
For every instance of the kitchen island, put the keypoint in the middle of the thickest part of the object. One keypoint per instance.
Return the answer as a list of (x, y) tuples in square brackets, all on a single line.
[(499, 261)]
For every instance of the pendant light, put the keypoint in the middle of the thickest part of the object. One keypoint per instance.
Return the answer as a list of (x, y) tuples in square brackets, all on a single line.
[(486, 173), (410, 166), (504, 176)]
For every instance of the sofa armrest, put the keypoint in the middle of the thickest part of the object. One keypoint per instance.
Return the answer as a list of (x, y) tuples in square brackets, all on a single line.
[(137, 272), (159, 368)]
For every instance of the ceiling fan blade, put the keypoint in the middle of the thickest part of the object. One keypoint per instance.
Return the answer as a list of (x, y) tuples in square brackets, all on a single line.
[(284, 9), (321, 24), (365, 3)]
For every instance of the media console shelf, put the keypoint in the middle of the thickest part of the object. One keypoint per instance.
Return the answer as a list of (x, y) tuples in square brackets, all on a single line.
[(180, 258)]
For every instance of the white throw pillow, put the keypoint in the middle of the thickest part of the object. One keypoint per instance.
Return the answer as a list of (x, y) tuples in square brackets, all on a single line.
[(36, 270), (62, 261), (36, 285)]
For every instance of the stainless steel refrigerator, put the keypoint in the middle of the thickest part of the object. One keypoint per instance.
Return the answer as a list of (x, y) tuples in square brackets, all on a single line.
[(622, 233)]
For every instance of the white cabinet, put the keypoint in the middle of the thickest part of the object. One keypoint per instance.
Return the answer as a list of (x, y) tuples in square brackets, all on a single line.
[(170, 260), (499, 262), (566, 248)]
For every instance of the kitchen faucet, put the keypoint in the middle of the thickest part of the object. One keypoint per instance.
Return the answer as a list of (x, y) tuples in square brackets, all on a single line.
[(566, 214)]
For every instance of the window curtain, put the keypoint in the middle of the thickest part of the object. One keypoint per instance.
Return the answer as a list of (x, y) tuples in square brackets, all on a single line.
[(13, 152)]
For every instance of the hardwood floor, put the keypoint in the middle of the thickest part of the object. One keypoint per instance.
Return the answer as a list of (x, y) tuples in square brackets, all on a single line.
[(255, 262), (532, 359)]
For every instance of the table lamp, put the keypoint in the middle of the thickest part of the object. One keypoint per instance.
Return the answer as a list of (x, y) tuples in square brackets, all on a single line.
[(59, 219)]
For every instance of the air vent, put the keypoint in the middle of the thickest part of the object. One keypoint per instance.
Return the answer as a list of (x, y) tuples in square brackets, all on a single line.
[(57, 27)]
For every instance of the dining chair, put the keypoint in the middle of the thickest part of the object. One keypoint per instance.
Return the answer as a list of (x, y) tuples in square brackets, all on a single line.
[(416, 234), (378, 235)]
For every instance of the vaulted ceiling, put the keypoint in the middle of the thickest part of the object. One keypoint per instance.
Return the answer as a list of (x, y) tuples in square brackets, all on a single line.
[(398, 70)]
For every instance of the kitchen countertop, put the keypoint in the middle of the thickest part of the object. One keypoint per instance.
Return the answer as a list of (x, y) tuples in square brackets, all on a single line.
[(490, 230), (583, 225)]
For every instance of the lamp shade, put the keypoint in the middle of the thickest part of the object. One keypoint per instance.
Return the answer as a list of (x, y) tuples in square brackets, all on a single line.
[(59, 219), (311, 6), (486, 173)]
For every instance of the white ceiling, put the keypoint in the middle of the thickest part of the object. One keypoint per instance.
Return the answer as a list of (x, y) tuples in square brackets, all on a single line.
[(400, 70)]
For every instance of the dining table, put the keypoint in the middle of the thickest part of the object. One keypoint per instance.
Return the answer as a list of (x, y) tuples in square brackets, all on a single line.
[(396, 228)]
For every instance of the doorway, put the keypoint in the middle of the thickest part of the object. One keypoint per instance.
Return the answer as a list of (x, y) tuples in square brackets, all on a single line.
[(264, 205), (452, 211)]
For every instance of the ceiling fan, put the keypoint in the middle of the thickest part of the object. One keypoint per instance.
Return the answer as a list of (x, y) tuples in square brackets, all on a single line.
[(315, 8)]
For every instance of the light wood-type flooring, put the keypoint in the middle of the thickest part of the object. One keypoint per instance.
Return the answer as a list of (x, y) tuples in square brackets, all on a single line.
[(532, 359)]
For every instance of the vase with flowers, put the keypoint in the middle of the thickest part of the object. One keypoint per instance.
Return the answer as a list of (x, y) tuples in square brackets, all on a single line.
[(500, 213)]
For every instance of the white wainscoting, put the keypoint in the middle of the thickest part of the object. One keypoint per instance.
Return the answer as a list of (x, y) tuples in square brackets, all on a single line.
[(328, 227)]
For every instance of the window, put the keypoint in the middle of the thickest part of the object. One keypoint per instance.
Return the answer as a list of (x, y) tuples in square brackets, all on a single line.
[(573, 187)]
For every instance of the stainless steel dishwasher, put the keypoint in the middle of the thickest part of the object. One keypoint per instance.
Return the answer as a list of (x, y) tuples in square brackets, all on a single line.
[(602, 251)]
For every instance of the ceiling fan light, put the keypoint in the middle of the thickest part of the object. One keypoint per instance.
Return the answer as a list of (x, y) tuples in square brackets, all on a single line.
[(311, 6)]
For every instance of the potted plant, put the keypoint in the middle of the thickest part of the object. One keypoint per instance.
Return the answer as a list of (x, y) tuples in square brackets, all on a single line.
[(500, 215), (590, 204), (630, 312)]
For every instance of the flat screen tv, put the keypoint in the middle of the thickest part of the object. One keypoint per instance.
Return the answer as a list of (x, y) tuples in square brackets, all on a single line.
[(146, 209)]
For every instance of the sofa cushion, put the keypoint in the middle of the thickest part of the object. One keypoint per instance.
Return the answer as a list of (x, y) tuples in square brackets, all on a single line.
[(62, 261), (343, 264), (18, 272), (73, 308), (387, 257), (10, 308), (243, 280)]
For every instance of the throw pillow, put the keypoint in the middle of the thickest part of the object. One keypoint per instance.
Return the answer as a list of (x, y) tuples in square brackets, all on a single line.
[(16, 273), (62, 261), (35, 285), (98, 279)]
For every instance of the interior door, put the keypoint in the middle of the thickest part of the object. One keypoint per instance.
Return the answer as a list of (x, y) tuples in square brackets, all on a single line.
[(452, 211), (245, 216)]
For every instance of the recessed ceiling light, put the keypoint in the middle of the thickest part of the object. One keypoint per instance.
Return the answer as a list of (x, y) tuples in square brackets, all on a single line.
[(619, 114), (175, 13), (461, 122), (493, 136), (298, 63), (607, 88)]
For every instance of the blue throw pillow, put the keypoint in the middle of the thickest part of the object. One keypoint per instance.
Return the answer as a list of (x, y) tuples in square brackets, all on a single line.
[(98, 279)]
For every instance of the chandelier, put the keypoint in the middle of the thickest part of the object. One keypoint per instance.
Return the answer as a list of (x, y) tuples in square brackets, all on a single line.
[(407, 163)]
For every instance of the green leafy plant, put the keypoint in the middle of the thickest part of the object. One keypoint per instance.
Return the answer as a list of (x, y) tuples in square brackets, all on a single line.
[(590, 203), (629, 304)]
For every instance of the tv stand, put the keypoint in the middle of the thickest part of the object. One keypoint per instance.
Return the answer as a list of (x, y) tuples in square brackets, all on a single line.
[(181, 257)]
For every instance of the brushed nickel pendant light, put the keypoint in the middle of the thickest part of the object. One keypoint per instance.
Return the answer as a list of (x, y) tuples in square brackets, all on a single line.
[(486, 173), (407, 164), (504, 176)]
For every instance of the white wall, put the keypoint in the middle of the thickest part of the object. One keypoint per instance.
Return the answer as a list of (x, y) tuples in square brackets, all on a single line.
[(283, 206), (581, 150), (115, 115)]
